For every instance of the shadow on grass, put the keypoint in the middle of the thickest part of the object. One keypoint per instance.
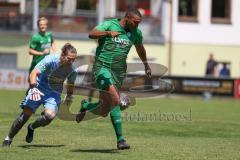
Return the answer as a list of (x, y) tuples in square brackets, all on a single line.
[(96, 150), (41, 146)]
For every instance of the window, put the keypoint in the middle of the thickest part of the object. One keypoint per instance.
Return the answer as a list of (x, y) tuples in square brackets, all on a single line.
[(86, 4), (45, 4), (151, 11), (142, 5), (188, 10), (221, 11), (8, 61), (10, 16)]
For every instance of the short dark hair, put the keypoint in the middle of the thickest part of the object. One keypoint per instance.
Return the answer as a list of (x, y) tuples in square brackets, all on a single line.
[(133, 11), (68, 48)]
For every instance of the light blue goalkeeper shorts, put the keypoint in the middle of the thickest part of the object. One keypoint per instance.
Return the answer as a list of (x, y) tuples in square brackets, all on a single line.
[(50, 101)]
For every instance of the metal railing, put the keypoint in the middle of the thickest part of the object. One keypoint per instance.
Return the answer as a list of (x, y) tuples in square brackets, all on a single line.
[(75, 26)]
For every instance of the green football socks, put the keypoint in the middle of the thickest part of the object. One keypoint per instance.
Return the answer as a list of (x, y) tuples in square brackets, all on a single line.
[(117, 122), (115, 115)]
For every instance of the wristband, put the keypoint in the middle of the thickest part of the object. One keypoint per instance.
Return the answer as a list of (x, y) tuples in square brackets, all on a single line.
[(33, 85)]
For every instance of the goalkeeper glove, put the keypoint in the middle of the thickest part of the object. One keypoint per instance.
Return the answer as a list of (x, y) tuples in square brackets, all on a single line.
[(35, 94)]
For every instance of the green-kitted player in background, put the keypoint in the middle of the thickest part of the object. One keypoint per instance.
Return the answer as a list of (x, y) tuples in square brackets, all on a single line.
[(41, 43), (115, 38)]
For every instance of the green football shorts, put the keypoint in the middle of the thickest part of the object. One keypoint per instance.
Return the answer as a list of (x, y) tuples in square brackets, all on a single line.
[(104, 77)]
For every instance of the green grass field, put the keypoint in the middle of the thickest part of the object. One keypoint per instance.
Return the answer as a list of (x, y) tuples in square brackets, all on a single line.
[(205, 130)]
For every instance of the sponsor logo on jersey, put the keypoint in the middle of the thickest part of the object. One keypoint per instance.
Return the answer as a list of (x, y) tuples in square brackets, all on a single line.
[(46, 46), (122, 41)]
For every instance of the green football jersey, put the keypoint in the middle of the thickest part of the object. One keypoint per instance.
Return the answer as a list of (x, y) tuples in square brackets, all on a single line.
[(40, 42), (112, 52)]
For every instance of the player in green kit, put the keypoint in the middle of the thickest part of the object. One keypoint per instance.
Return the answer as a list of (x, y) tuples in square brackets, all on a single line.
[(115, 38), (41, 43)]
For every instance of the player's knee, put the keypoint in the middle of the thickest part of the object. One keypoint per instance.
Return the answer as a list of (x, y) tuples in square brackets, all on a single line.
[(115, 101), (50, 114), (27, 111), (47, 119)]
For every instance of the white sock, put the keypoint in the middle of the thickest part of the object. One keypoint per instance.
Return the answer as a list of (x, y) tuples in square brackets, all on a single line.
[(8, 138)]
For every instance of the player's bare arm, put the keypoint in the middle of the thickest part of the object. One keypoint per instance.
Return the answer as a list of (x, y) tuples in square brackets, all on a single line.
[(45, 51), (142, 54), (95, 34), (37, 53), (33, 77)]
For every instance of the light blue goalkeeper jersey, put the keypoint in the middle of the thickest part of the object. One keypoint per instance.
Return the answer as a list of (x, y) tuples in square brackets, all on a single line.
[(52, 74)]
